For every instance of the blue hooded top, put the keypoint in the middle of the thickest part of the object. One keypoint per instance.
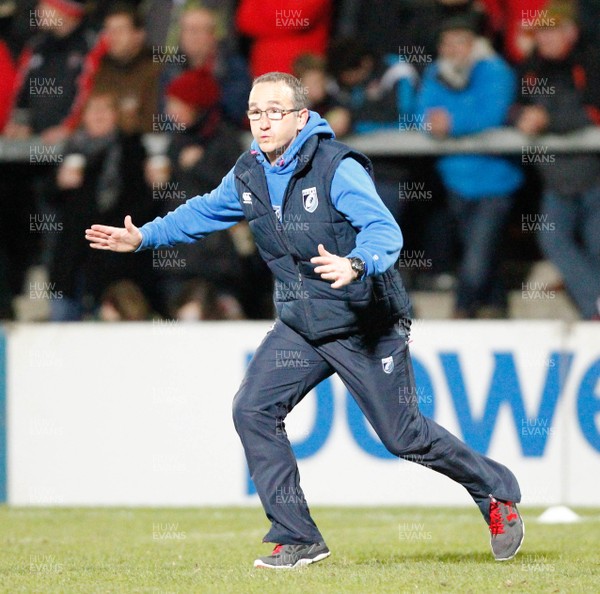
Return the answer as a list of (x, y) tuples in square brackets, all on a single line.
[(483, 104), (379, 239)]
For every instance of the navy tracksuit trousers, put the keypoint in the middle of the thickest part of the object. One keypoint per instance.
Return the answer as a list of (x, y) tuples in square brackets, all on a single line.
[(286, 367)]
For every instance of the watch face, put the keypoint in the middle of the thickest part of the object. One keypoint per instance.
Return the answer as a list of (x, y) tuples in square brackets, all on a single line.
[(358, 265)]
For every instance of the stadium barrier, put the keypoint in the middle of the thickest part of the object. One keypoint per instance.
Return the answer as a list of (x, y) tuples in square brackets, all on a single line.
[(387, 143), (140, 414)]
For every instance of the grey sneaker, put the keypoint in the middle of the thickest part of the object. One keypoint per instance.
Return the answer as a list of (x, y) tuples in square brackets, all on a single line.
[(290, 556), (506, 528)]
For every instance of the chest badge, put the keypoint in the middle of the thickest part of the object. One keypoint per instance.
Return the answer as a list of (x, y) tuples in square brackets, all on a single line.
[(310, 200), (387, 363)]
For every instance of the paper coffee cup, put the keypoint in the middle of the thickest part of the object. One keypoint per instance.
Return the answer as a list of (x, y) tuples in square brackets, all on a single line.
[(75, 161)]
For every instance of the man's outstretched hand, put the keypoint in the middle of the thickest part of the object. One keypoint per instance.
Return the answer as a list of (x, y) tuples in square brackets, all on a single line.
[(333, 268), (116, 239)]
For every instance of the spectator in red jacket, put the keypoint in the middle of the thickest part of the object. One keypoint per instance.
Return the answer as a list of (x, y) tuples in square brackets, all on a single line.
[(7, 81), (281, 30), (516, 20)]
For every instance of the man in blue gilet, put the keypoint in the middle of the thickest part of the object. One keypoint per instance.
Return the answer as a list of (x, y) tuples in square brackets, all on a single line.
[(332, 246)]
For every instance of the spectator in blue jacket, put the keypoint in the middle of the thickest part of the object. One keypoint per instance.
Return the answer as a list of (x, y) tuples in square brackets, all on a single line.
[(467, 90)]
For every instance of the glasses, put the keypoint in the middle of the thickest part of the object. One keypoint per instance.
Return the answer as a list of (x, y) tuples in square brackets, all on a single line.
[(273, 113)]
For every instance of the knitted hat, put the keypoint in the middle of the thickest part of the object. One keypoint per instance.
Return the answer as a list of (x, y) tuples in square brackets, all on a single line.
[(72, 8), (197, 88), (466, 22)]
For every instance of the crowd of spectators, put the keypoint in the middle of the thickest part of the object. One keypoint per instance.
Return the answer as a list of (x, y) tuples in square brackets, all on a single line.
[(90, 86)]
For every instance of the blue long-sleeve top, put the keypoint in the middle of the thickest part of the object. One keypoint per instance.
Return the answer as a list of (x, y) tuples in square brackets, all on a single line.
[(378, 241), (483, 104)]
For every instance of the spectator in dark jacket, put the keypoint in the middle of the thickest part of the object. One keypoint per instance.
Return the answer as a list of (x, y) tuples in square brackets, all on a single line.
[(101, 174), (380, 24), (202, 149), (561, 93), (470, 89), (52, 72), (200, 47), (128, 70), (380, 94)]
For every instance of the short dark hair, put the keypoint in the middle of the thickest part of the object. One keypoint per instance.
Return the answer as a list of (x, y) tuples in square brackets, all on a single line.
[(298, 93), (307, 63), (127, 9), (347, 53)]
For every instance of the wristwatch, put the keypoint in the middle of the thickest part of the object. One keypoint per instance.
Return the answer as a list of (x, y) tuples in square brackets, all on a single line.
[(358, 266)]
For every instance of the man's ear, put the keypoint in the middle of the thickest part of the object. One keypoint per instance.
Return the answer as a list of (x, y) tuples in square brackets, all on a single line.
[(303, 116)]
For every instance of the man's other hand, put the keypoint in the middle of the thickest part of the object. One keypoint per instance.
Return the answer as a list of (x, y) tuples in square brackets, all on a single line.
[(333, 268)]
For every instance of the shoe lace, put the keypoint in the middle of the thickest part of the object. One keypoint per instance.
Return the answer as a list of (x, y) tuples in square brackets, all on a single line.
[(512, 515), (496, 523)]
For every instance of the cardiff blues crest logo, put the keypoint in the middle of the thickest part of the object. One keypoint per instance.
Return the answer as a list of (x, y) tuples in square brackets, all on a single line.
[(388, 364), (310, 199)]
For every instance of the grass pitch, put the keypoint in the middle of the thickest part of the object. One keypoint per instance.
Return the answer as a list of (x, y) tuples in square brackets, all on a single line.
[(164, 551)]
